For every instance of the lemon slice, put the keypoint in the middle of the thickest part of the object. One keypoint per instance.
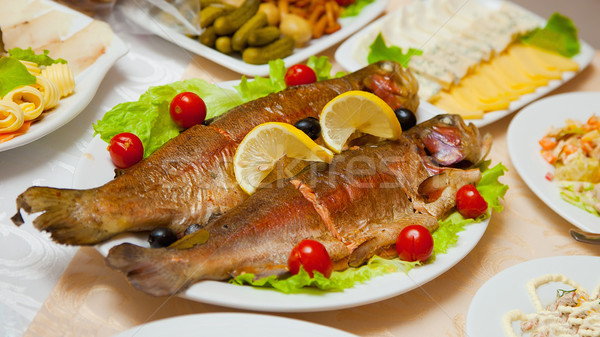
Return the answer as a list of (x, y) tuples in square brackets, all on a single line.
[(357, 111), (262, 147)]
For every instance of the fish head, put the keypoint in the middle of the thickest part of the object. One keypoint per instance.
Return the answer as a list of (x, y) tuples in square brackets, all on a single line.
[(449, 142), (394, 84)]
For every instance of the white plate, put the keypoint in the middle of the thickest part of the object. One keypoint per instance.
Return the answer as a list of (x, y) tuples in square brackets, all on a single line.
[(344, 55), (232, 325), (506, 290), (349, 26), (524, 132), (95, 168), (86, 85)]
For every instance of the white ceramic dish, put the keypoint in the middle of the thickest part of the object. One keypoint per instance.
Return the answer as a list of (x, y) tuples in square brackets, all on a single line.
[(524, 132), (86, 85), (95, 168), (344, 55), (506, 290), (349, 26), (232, 325)]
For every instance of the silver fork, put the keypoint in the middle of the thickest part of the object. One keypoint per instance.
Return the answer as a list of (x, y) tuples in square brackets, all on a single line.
[(585, 237)]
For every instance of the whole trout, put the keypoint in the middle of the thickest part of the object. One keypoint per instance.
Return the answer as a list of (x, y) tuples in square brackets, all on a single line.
[(356, 207), (191, 178)]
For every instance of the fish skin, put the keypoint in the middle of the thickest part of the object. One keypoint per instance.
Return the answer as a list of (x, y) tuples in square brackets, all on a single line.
[(356, 207), (190, 178)]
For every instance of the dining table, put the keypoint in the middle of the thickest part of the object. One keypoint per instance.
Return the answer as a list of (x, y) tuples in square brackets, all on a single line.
[(49, 290)]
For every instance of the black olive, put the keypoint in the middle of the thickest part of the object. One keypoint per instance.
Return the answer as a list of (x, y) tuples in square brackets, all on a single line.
[(193, 228), (310, 126), (406, 118), (161, 237)]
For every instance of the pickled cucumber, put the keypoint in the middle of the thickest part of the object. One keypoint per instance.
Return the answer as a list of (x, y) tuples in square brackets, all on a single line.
[(208, 37), (240, 38), (209, 14), (280, 48), (231, 22), (223, 44), (263, 36)]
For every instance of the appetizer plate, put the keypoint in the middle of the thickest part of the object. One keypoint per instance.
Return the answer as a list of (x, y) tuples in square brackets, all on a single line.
[(507, 290), (86, 85), (95, 168), (524, 132), (349, 26), (345, 55), (232, 325)]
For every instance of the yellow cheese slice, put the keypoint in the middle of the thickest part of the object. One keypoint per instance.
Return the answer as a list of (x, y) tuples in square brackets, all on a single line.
[(532, 68), (447, 103), (547, 59)]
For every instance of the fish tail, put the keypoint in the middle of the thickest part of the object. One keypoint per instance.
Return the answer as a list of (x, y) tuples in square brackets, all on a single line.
[(66, 214), (157, 271)]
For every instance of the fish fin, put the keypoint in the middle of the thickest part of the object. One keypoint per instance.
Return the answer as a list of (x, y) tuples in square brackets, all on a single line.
[(439, 191), (64, 215), (155, 271)]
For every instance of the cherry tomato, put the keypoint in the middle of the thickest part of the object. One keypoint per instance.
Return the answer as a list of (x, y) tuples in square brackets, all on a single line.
[(187, 109), (125, 150), (299, 74), (414, 243), (345, 2), (470, 203), (312, 256)]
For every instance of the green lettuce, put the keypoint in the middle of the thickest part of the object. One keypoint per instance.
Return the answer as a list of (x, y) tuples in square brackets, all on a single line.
[(149, 117), (262, 86), (13, 74), (30, 55), (355, 8), (338, 281), (275, 82), (379, 51), (559, 35), (444, 238)]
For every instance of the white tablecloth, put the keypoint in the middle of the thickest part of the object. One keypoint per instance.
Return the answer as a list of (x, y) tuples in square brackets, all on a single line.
[(30, 263)]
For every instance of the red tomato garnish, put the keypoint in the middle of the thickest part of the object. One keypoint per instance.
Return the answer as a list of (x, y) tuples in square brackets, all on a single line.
[(470, 203), (414, 243), (299, 74), (312, 256), (187, 109), (125, 150), (345, 2), (549, 176)]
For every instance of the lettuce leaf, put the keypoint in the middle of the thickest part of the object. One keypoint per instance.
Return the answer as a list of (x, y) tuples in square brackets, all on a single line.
[(380, 51), (262, 86), (29, 55), (13, 74), (559, 35), (149, 117), (355, 8), (338, 281), (444, 238)]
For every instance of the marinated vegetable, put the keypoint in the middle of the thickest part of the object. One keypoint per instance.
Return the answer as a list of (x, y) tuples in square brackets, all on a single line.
[(125, 150), (312, 256), (299, 74), (414, 243), (574, 151), (187, 109)]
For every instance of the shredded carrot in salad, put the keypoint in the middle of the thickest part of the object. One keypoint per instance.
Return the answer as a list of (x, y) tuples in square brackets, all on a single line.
[(574, 151)]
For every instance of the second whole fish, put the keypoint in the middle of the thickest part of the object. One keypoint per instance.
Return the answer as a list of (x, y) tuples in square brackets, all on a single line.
[(356, 207)]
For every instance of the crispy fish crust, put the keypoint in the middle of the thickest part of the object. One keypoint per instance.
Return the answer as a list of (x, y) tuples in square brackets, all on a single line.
[(191, 178), (356, 207)]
